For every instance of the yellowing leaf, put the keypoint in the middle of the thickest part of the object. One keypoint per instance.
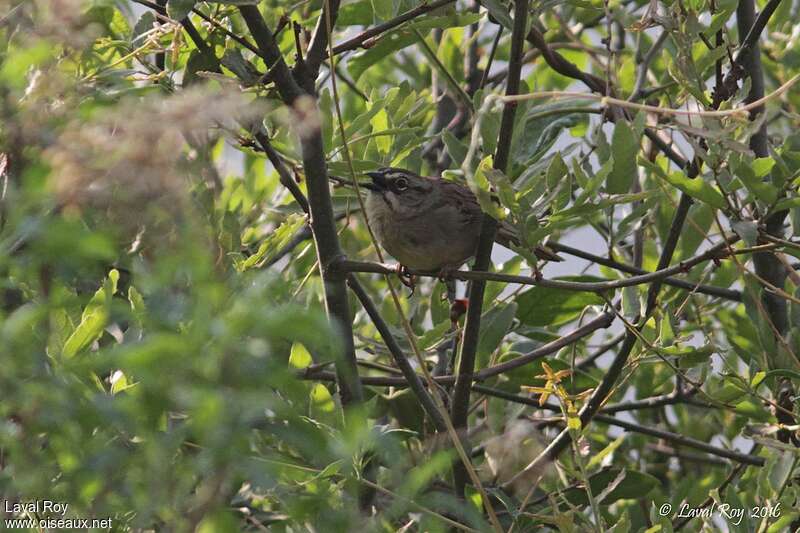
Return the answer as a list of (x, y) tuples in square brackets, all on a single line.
[(380, 122), (321, 399), (299, 357)]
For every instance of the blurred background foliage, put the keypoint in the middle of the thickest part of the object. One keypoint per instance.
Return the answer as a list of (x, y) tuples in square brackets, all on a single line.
[(161, 300)]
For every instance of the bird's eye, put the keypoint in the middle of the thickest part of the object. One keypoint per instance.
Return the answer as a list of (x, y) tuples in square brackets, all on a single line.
[(401, 184)]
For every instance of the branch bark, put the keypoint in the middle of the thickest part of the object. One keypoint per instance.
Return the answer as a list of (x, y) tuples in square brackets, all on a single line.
[(483, 256), (323, 224), (767, 266), (716, 252), (361, 39), (601, 322), (318, 48), (413, 379), (720, 292), (669, 436)]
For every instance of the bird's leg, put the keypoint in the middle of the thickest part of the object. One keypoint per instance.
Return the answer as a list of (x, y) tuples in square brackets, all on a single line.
[(458, 306), (537, 274), (406, 278), (445, 275)]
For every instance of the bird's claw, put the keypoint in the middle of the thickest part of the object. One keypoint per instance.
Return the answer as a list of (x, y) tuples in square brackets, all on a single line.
[(406, 278), (446, 273), (537, 274)]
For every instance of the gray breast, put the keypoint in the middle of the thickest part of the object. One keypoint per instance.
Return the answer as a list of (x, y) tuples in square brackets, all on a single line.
[(429, 239)]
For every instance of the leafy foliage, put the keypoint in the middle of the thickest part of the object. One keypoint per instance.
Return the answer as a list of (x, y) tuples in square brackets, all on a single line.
[(171, 356)]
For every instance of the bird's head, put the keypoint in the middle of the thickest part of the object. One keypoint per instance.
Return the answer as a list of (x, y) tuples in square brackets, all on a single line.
[(398, 187)]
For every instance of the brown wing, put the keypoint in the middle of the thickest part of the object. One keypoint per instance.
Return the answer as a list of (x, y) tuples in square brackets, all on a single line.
[(470, 209), (463, 200)]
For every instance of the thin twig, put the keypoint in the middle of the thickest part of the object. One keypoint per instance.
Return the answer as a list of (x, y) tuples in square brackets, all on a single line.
[(601, 322), (716, 252), (361, 39), (720, 292), (608, 101)]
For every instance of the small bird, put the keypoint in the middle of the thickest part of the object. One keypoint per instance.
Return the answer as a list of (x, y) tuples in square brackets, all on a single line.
[(429, 224)]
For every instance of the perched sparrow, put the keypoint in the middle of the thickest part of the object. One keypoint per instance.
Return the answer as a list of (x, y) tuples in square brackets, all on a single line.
[(429, 223)]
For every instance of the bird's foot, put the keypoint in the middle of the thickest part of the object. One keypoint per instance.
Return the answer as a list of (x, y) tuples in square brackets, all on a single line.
[(446, 273), (406, 278), (537, 274)]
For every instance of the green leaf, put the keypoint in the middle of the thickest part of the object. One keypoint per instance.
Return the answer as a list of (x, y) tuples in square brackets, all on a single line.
[(434, 335), (383, 9), (635, 485), (143, 25), (179, 9), (454, 20), (631, 306), (543, 306), (355, 14), (697, 188), (137, 305), (501, 185), (274, 242), (725, 9), (233, 60), (786, 203), (199, 62), (752, 178), (594, 182), (555, 171), (321, 399), (499, 12), (597, 459), (494, 326), (93, 319), (380, 122), (386, 46), (762, 166), (624, 147), (455, 147), (747, 230), (480, 186), (690, 355)]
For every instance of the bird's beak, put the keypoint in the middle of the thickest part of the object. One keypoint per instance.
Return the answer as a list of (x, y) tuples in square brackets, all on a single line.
[(378, 181)]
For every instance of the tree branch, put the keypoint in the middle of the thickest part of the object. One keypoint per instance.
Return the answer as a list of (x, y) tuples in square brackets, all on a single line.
[(669, 436), (318, 48), (483, 255), (412, 379), (323, 224), (744, 21), (600, 393), (566, 68), (284, 175), (601, 322), (681, 440), (287, 87), (767, 266), (710, 290), (716, 252), (360, 40)]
